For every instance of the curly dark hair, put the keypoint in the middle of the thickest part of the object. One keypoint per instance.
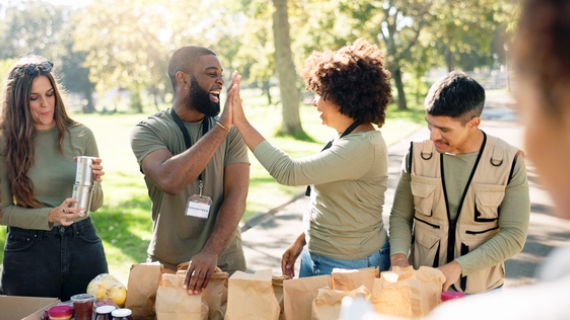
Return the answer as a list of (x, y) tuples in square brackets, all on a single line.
[(542, 50), (352, 77)]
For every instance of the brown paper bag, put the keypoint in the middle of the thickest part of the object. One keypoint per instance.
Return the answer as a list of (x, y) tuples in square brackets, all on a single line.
[(348, 280), (298, 296), (141, 289), (407, 293), (216, 293), (251, 296), (278, 289), (327, 304), (174, 303)]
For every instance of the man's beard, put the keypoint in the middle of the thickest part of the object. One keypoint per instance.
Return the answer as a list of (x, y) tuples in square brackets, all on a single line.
[(199, 99)]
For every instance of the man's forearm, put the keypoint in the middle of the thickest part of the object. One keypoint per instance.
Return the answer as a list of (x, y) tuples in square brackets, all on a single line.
[(177, 172), (228, 219)]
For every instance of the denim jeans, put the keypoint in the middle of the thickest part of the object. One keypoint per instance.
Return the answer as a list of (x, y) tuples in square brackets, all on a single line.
[(56, 263), (314, 265)]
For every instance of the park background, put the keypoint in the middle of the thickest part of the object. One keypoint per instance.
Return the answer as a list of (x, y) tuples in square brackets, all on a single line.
[(111, 56)]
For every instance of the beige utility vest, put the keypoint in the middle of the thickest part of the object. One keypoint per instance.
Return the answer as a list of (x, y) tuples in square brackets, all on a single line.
[(437, 240)]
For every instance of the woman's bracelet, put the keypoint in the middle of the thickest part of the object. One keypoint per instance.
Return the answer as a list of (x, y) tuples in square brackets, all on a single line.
[(399, 259), (222, 126)]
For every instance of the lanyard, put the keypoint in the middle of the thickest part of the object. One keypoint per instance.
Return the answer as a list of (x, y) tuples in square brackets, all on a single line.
[(186, 135), (329, 144)]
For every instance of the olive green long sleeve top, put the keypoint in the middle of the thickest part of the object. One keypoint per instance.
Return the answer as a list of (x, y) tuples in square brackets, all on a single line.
[(344, 217), (52, 175)]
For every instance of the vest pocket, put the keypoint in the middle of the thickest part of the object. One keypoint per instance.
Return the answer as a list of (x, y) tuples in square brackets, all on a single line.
[(482, 280), (423, 197), (488, 199), (425, 249)]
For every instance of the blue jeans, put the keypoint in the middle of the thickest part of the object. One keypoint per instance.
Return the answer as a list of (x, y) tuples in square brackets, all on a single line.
[(314, 265), (56, 263)]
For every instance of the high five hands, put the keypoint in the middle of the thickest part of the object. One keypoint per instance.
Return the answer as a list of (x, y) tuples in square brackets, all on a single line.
[(233, 114)]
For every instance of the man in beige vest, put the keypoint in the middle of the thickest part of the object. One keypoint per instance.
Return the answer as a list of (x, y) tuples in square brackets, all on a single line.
[(462, 203)]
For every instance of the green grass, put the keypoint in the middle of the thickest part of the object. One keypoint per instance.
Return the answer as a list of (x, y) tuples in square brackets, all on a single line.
[(124, 222)]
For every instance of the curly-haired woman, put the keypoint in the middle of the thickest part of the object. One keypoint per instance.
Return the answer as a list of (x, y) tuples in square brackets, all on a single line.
[(343, 224), (51, 250)]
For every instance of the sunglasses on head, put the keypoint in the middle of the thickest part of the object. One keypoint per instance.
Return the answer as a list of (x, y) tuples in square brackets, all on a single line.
[(33, 69)]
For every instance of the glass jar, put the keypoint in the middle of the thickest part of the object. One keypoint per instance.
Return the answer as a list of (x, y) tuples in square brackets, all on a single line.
[(122, 314), (83, 306), (104, 312)]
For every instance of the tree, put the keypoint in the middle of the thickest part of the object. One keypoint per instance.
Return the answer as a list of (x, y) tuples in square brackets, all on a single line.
[(125, 46), (44, 29), (464, 30), (291, 123)]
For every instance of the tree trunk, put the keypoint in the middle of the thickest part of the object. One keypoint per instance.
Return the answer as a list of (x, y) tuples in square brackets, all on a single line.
[(397, 75), (90, 107), (267, 91), (287, 76), (449, 60)]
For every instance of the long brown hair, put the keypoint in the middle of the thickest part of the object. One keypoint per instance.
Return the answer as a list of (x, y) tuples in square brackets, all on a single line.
[(17, 125)]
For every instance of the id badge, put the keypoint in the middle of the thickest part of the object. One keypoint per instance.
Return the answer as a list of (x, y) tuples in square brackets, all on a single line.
[(198, 206)]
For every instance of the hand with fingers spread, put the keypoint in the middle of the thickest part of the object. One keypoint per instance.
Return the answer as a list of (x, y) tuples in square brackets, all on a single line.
[(199, 272), (64, 213)]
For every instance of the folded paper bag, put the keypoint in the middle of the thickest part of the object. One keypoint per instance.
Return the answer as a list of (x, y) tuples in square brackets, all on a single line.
[(298, 296), (407, 293), (216, 293), (141, 289), (174, 303), (251, 296), (348, 280), (327, 304)]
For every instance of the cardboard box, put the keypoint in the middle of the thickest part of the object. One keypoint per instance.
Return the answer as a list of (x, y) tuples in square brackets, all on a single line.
[(24, 308)]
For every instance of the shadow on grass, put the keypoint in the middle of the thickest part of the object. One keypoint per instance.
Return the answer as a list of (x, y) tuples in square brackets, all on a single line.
[(414, 113), (299, 135), (127, 227)]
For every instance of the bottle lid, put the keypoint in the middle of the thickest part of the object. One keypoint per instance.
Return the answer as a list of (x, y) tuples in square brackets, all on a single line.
[(105, 309), (121, 312), (82, 297), (450, 295), (61, 310)]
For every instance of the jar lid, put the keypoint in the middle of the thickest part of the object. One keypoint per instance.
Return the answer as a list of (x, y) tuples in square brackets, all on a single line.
[(60, 311), (121, 312), (82, 297), (450, 295), (105, 309)]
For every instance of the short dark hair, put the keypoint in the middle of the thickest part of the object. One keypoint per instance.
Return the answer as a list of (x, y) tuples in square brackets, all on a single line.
[(455, 95), (184, 59), (352, 77)]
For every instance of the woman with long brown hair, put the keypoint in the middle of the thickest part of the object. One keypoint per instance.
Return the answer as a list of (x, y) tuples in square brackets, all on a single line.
[(52, 248)]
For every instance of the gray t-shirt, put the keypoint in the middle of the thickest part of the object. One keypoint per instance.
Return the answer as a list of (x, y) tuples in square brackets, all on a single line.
[(177, 237)]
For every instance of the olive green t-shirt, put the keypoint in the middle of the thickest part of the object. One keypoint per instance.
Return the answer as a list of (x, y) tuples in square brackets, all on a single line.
[(344, 217), (513, 213), (177, 237), (52, 175)]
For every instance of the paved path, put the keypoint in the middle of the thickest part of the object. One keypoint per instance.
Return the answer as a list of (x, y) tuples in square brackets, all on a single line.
[(267, 237)]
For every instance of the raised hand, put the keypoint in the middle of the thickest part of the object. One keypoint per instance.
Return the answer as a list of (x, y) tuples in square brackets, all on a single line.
[(226, 118)]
